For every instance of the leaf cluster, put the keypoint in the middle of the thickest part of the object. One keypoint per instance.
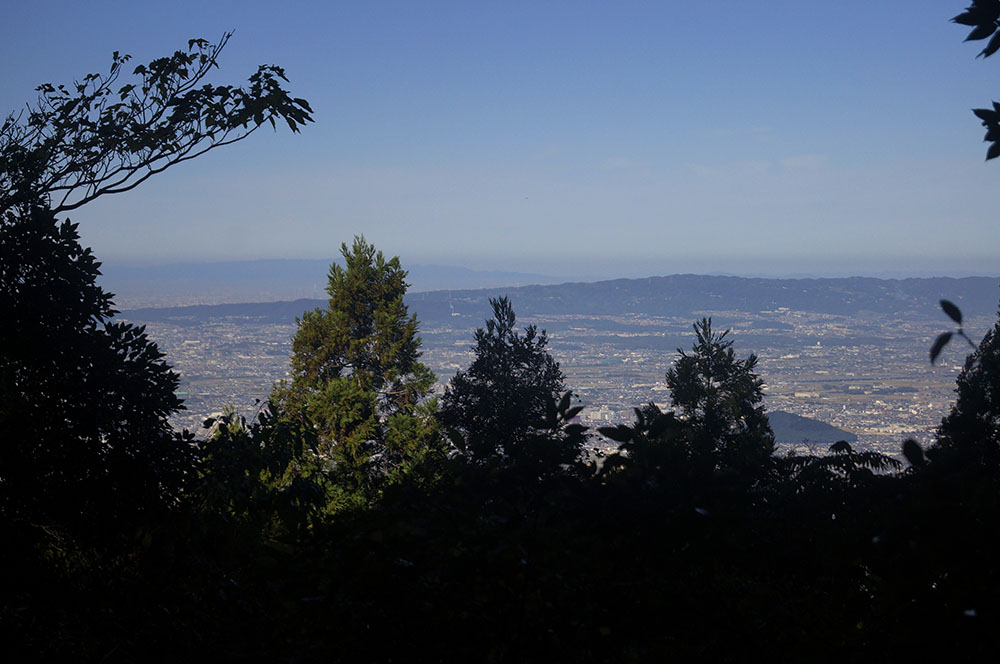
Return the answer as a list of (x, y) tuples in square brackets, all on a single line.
[(942, 340), (983, 16)]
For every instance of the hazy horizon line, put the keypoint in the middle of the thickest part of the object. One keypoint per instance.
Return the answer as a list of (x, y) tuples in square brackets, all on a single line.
[(638, 269)]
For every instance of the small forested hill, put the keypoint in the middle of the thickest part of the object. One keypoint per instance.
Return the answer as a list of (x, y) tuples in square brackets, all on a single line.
[(791, 429), (265, 312)]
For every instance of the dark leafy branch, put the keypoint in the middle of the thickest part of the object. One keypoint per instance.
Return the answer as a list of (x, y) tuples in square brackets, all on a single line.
[(954, 313), (983, 16), (97, 137)]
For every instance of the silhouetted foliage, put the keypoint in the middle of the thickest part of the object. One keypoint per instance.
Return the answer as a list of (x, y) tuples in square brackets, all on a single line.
[(973, 425), (845, 467), (98, 538), (84, 401), (720, 398), (94, 137), (503, 408), (942, 340), (983, 16), (655, 453), (913, 453)]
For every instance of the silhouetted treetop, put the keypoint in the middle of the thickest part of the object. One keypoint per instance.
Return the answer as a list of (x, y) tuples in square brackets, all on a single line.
[(720, 398), (500, 403)]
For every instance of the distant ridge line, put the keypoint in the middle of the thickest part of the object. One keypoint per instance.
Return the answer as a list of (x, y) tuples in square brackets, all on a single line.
[(673, 295)]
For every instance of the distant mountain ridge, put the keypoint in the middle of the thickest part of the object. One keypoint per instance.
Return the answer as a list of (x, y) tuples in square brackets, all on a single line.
[(684, 295), (245, 281)]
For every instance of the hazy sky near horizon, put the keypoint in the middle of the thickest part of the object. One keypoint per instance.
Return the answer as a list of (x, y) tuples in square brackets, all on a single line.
[(583, 137)]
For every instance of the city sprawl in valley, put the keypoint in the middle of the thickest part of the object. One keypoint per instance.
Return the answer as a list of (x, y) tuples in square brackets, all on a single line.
[(852, 353)]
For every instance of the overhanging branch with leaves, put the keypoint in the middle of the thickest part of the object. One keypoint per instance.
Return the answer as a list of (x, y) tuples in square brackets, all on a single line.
[(95, 137)]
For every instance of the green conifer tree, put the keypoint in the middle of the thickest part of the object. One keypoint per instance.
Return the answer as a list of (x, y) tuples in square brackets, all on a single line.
[(356, 373)]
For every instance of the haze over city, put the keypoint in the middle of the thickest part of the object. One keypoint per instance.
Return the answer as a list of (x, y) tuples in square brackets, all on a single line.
[(576, 139)]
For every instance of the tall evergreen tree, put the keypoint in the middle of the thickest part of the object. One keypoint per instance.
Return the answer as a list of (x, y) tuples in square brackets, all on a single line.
[(720, 398), (356, 373), (499, 406)]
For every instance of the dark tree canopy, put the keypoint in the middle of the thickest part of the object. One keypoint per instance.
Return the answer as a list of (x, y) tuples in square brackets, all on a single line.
[(84, 401), (85, 441), (499, 403), (98, 137), (720, 398), (973, 425), (356, 372)]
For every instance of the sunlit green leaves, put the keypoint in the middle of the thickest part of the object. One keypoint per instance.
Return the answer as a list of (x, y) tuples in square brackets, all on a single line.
[(356, 374)]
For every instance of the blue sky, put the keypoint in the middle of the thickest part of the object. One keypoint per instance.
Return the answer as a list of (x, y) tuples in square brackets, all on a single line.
[(591, 139)]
